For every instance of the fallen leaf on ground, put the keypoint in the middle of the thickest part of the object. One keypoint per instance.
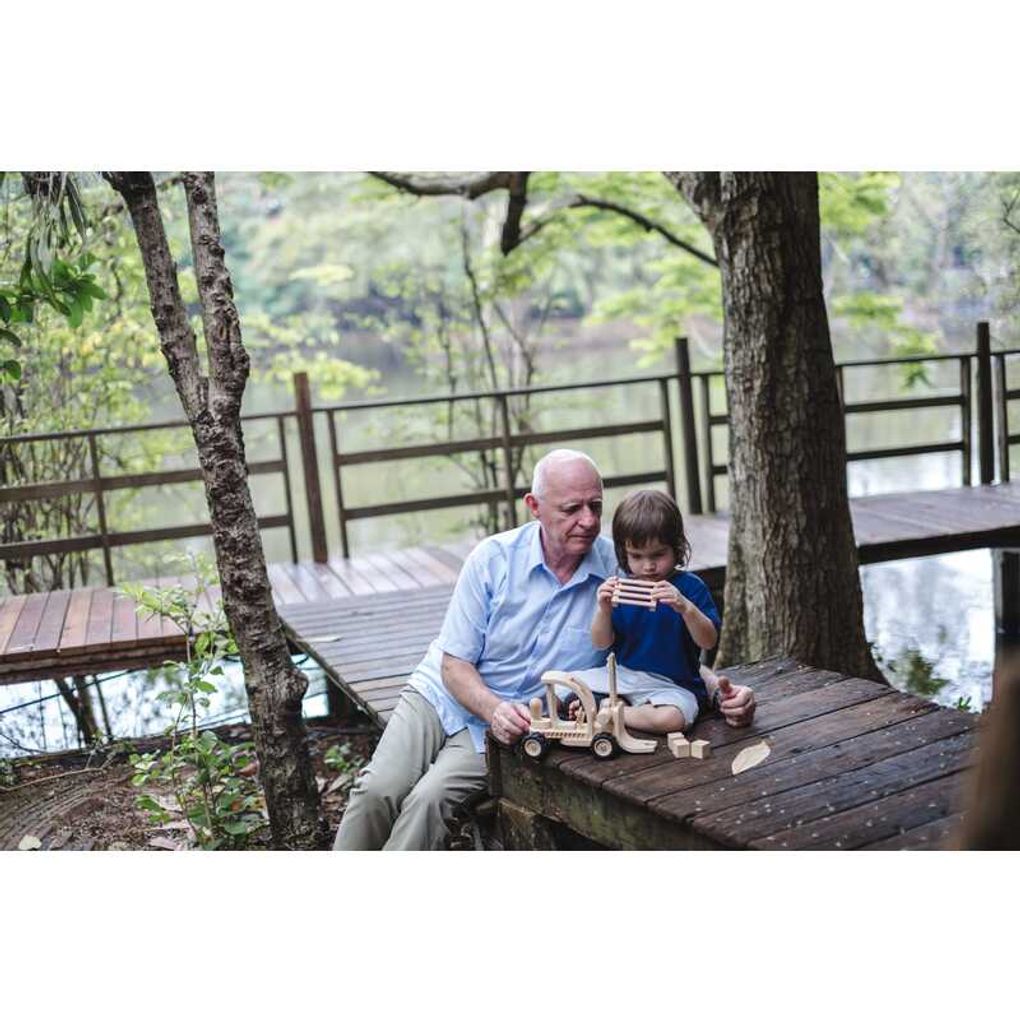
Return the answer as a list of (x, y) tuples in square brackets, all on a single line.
[(751, 756), (30, 842), (164, 843)]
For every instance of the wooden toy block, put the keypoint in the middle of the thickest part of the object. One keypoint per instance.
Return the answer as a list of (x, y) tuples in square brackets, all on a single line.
[(679, 746), (701, 749)]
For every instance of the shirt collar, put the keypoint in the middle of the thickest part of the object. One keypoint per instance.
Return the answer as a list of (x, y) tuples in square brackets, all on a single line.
[(593, 564)]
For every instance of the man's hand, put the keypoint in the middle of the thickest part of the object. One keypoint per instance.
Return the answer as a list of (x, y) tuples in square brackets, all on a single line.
[(736, 703), (510, 720)]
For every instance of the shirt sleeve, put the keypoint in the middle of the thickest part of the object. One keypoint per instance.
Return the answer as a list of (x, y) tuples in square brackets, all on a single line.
[(697, 591), (467, 616)]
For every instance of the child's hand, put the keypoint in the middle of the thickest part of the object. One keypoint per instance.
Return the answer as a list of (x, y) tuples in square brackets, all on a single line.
[(607, 589), (667, 594)]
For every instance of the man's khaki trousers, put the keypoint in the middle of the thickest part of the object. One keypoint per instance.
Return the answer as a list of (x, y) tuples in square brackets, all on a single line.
[(417, 776)]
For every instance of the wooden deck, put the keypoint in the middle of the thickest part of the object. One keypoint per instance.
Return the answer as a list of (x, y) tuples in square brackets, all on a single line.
[(91, 630), (853, 765)]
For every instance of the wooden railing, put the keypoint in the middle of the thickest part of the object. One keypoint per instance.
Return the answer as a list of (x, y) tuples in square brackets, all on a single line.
[(507, 443), (99, 484), (962, 399)]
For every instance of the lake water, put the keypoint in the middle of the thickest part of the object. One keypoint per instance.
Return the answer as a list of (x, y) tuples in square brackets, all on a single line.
[(935, 613)]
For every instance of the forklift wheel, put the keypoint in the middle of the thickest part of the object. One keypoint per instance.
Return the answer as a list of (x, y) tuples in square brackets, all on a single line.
[(534, 746), (604, 746)]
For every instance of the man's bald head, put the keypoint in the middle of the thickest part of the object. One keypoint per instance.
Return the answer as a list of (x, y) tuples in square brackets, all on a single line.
[(560, 463)]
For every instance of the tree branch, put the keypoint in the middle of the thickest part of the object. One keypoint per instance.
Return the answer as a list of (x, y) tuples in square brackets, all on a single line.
[(518, 200), (470, 187), (1007, 212), (176, 337), (228, 360), (513, 235), (582, 201)]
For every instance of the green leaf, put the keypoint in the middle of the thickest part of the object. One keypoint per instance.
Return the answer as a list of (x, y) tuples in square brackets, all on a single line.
[(89, 286), (10, 336), (11, 369)]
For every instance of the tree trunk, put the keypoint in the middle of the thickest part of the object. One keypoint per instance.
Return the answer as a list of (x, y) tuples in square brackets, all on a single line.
[(213, 406), (792, 585)]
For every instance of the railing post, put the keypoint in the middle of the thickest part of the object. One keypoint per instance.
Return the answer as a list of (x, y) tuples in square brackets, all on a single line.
[(508, 462), (706, 401), (1003, 416), (986, 444), (104, 533), (688, 435), (667, 437), (966, 403), (334, 454), (310, 466), (288, 498)]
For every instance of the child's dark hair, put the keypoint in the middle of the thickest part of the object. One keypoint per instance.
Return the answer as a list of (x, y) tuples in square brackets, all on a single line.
[(649, 516)]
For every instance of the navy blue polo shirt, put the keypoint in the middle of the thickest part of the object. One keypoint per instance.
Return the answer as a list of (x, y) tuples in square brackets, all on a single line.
[(657, 641)]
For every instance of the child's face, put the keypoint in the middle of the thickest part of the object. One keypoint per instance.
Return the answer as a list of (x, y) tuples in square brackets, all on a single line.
[(652, 562)]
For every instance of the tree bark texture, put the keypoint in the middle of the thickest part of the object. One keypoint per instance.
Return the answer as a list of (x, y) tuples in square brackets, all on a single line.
[(792, 584), (213, 404)]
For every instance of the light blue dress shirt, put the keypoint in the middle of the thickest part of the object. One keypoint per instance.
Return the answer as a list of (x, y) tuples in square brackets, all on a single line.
[(511, 618)]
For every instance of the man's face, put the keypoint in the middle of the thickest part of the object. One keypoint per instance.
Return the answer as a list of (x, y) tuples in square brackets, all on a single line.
[(570, 511)]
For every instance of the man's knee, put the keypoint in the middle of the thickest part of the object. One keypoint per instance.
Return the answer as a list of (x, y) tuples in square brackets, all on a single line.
[(442, 791)]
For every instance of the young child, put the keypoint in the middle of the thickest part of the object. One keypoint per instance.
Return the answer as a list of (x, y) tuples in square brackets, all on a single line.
[(657, 650)]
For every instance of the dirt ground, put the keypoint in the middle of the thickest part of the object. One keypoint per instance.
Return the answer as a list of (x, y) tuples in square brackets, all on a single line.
[(85, 801)]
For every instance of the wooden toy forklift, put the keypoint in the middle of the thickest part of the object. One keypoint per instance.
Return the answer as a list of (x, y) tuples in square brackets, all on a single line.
[(602, 730)]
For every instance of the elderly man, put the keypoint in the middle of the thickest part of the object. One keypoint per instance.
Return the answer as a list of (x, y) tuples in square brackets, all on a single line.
[(522, 605)]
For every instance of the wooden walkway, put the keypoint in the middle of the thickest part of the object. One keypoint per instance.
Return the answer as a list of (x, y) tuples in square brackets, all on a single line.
[(92, 630), (853, 765)]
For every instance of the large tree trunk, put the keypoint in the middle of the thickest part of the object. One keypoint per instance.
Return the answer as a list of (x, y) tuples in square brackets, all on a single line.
[(792, 585), (213, 406)]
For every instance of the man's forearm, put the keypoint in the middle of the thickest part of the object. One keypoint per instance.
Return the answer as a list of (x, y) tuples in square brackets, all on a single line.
[(465, 683)]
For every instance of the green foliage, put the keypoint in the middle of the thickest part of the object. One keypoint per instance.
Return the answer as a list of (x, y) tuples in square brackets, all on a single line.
[(850, 203), (912, 672), (54, 269), (873, 316), (213, 784), (342, 758), (304, 343), (964, 704)]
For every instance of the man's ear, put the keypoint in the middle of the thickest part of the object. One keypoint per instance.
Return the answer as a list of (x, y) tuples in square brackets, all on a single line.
[(531, 502)]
